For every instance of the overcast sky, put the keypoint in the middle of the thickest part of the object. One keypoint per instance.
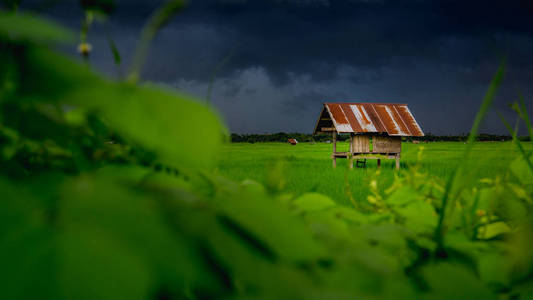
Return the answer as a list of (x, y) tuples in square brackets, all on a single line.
[(287, 57)]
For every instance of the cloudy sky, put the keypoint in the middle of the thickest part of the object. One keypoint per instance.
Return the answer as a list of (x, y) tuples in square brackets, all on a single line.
[(283, 58)]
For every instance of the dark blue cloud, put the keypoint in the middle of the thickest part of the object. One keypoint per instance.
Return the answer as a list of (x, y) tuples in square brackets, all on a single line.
[(290, 55)]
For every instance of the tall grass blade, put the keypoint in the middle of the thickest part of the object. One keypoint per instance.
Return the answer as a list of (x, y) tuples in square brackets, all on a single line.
[(451, 183), (516, 141), (159, 18), (114, 50), (218, 67), (524, 115)]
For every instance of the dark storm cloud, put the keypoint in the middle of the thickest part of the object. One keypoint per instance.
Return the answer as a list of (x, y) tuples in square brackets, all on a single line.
[(317, 37), (288, 56), (288, 38)]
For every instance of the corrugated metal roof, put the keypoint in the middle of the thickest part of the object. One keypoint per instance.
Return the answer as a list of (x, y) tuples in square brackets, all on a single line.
[(392, 118)]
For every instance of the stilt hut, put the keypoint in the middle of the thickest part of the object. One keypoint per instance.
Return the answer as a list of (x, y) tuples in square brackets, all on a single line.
[(375, 129)]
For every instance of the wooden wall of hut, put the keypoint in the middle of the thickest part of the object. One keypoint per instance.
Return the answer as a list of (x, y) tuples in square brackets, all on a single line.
[(380, 144), (360, 144), (386, 144)]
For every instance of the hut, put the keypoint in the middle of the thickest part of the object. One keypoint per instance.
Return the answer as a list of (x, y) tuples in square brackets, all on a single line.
[(375, 129)]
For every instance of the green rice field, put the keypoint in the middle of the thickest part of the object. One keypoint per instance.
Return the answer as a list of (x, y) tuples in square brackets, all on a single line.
[(307, 167)]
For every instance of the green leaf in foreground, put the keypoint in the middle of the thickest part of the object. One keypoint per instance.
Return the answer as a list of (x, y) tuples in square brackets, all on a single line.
[(521, 170), (313, 202), (417, 214), (449, 281), (180, 130), (28, 28), (261, 219)]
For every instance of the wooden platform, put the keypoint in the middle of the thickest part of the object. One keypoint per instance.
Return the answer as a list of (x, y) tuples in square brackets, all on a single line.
[(365, 155)]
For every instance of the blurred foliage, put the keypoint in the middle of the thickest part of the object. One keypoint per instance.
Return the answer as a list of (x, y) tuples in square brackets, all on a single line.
[(106, 193)]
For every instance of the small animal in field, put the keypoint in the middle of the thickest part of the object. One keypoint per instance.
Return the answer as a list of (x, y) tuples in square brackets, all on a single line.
[(292, 141)]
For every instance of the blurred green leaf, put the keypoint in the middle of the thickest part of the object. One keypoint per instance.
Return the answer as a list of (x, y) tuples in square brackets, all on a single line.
[(350, 215), (523, 173), (22, 27), (494, 269), (9, 75), (520, 192), (253, 187), (114, 49), (417, 214), (492, 230), (419, 217), (102, 202), (312, 202), (487, 198), (50, 77), (449, 281), (95, 266), (177, 128), (403, 196), (394, 240), (327, 226), (272, 224)]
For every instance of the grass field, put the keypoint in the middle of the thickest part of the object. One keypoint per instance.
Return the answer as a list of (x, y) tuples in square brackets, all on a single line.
[(307, 167)]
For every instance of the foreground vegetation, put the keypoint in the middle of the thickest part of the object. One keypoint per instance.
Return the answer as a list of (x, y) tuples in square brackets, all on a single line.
[(105, 195)]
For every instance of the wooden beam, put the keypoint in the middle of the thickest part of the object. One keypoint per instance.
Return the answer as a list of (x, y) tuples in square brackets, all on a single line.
[(351, 143), (350, 156), (334, 158), (397, 162), (327, 129), (379, 163), (320, 116)]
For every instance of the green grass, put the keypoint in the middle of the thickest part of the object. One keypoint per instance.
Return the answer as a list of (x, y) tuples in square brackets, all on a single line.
[(307, 167)]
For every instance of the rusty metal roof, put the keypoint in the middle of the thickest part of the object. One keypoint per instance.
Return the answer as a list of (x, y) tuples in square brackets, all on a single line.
[(395, 119)]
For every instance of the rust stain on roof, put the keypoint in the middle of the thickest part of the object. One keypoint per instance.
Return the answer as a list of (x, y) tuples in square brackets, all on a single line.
[(339, 118), (351, 118), (395, 119)]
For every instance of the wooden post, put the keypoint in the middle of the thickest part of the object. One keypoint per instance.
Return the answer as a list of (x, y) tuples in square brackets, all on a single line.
[(350, 156), (379, 163), (333, 157), (397, 161)]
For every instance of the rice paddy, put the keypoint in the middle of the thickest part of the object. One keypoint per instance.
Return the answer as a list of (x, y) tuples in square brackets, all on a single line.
[(307, 167)]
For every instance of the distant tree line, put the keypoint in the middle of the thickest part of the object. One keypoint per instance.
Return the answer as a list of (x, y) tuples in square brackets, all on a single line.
[(482, 137), (279, 137), (304, 137)]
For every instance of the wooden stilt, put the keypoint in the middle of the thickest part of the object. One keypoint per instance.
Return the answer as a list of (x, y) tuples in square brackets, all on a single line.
[(397, 162), (350, 156), (379, 163), (334, 159)]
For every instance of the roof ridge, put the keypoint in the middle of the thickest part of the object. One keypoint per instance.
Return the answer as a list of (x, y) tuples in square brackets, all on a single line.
[(381, 103)]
